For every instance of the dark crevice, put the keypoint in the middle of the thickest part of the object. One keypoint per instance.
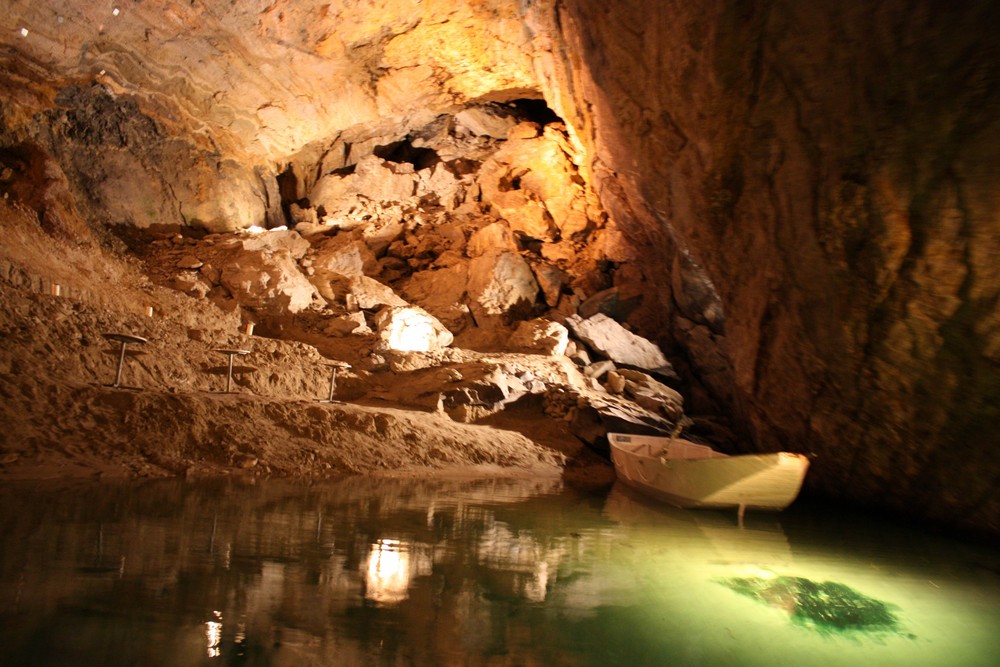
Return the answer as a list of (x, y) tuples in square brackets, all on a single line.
[(536, 111), (405, 152), (288, 190)]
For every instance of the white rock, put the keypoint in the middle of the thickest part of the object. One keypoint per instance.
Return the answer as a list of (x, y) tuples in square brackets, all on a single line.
[(410, 329), (272, 241), (501, 284), (612, 340)]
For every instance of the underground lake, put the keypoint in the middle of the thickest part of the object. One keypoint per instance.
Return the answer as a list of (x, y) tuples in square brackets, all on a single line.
[(367, 571)]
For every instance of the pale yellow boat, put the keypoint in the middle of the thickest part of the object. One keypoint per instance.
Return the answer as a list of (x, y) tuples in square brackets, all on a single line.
[(690, 475)]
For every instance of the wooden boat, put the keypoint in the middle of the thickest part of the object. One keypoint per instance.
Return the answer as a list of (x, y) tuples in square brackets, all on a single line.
[(686, 474)]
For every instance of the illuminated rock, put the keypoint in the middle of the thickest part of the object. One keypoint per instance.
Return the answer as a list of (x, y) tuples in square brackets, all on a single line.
[(272, 241), (501, 285), (605, 336), (410, 329)]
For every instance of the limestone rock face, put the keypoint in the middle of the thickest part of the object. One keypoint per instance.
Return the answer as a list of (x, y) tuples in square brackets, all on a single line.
[(532, 183)]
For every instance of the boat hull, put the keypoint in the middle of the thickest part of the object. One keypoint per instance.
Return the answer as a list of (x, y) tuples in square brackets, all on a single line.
[(694, 476)]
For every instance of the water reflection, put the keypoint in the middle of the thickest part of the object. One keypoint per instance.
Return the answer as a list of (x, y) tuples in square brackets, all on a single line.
[(389, 571), (448, 572)]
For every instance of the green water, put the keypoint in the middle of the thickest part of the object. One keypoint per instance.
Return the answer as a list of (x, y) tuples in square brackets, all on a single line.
[(416, 572)]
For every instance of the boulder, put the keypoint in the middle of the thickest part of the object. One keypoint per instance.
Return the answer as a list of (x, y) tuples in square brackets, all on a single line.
[(345, 325), (302, 216), (501, 285), (441, 292), (439, 182), (597, 415), (410, 329), (614, 383), (609, 338), (189, 262), (191, 285), (345, 255), (551, 280), (611, 303), (374, 178), (525, 214), (275, 240), (652, 395), (485, 122), (381, 180), (523, 130), (268, 281), (357, 292), (598, 369), (483, 396), (380, 234), (531, 176), (540, 337)]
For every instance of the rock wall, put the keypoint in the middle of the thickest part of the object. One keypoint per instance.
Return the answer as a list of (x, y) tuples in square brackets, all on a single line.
[(832, 167)]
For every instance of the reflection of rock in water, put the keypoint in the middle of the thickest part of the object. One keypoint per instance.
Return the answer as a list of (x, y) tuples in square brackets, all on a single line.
[(824, 606)]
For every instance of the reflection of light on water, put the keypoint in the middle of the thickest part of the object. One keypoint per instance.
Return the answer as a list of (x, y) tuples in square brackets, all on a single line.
[(240, 639), (388, 571), (213, 635), (523, 556), (535, 589)]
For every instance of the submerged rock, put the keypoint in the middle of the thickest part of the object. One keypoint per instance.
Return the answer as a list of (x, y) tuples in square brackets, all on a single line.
[(825, 606)]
